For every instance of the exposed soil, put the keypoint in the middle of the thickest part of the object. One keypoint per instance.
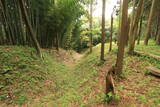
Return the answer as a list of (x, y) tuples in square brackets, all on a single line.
[(68, 58)]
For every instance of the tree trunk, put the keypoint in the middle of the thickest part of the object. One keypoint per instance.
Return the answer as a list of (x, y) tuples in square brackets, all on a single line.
[(1, 32), (29, 27), (8, 27), (103, 30), (91, 21), (57, 42), (158, 39), (111, 33), (157, 27), (119, 25), (140, 30), (148, 31), (158, 34), (21, 25), (127, 32), (134, 27), (121, 46), (132, 18)]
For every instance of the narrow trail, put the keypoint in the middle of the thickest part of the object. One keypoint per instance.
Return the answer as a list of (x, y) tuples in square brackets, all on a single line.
[(74, 59), (68, 58), (94, 83), (135, 87)]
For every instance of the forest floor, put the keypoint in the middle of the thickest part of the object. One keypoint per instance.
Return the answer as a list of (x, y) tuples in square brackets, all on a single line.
[(70, 79)]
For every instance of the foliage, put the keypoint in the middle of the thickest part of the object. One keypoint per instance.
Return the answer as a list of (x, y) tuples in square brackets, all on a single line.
[(20, 72), (62, 20), (110, 96), (49, 19)]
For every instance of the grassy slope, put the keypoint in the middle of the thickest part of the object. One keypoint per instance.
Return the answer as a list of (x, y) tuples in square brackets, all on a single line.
[(27, 77), (53, 84), (138, 88), (85, 83), (150, 48), (77, 86), (47, 82)]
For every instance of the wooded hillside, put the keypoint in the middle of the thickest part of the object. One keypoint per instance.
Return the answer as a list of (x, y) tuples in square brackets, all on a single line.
[(79, 53)]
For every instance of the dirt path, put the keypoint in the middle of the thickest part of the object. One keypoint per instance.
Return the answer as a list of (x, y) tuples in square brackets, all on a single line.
[(136, 89), (72, 60), (67, 58)]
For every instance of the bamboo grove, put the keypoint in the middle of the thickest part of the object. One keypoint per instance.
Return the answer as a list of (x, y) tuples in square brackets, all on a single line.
[(39, 23), (58, 23)]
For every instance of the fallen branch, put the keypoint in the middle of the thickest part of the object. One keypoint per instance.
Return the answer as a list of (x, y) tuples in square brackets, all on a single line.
[(3, 73), (134, 90), (147, 55), (155, 71)]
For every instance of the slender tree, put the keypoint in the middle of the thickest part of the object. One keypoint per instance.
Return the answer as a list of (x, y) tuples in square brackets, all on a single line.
[(119, 24), (157, 26), (148, 31), (29, 27), (134, 26), (158, 34), (121, 46), (127, 32), (111, 33), (7, 23), (132, 17), (57, 42), (103, 30), (91, 21), (140, 31)]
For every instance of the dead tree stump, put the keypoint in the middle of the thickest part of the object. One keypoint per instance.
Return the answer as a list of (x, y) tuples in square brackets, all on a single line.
[(110, 81)]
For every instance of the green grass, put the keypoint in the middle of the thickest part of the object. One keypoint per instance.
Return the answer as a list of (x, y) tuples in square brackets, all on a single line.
[(28, 77), (76, 84), (22, 74), (145, 87), (151, 48), (38, 83)]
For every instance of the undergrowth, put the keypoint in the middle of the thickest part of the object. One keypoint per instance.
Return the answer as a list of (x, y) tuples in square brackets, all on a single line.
[(27, 79), (22, 74), (74, 87)]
